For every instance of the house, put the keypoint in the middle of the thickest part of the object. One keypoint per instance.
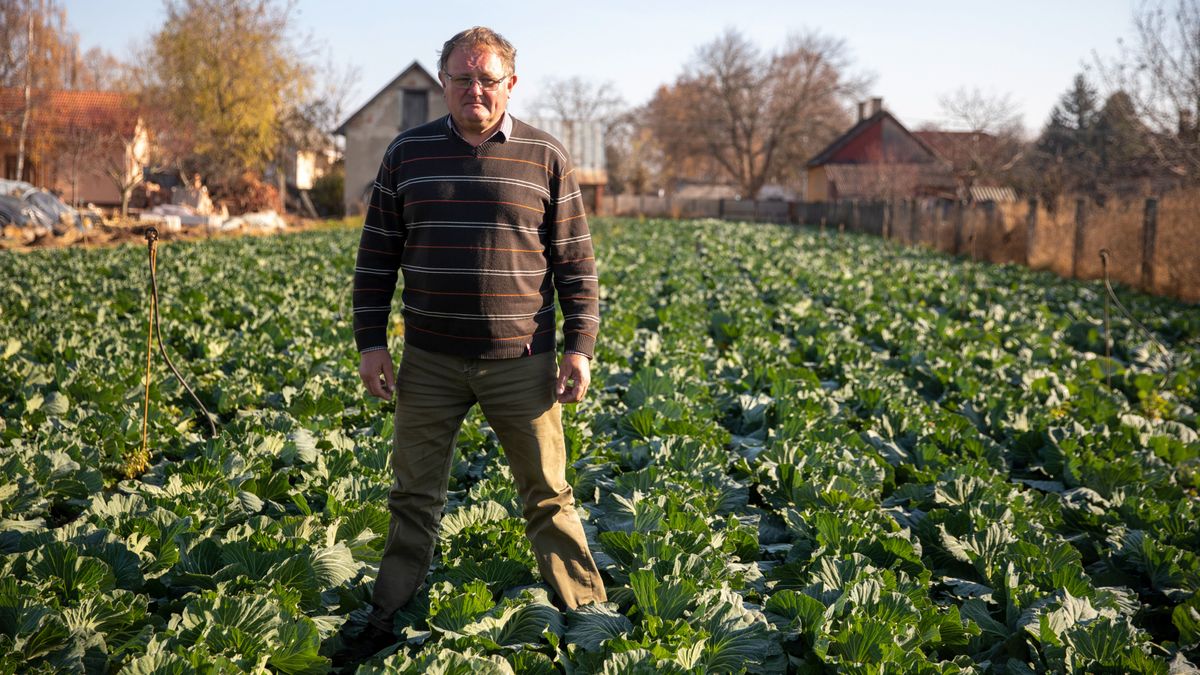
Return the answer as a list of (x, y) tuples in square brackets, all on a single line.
[(414, 97), (878, 158), (87, 146)]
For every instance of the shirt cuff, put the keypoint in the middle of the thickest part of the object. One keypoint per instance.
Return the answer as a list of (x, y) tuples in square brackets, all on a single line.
[(572, 351)]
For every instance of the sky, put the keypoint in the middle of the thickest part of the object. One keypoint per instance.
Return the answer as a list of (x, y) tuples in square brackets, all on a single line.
[(916, 52)]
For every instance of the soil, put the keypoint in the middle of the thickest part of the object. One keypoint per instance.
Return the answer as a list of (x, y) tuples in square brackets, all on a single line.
[(117, 234)]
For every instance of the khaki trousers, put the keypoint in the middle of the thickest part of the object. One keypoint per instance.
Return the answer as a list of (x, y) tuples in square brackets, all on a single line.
[(433, 394)]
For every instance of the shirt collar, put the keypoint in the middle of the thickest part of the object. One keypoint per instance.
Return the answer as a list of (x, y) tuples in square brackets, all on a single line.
[(501, 134)]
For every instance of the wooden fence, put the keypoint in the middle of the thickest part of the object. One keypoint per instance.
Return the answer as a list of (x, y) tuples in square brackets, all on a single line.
[(1152, 242)]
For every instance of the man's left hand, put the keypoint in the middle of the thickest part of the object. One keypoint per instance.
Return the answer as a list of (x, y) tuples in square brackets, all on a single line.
[(574, 376)]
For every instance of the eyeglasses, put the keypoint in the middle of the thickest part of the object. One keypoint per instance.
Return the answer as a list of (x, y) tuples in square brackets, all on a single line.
[(465, 82)]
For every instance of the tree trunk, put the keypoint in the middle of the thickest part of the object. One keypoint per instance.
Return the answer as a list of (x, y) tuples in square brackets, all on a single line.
[(28, 99)]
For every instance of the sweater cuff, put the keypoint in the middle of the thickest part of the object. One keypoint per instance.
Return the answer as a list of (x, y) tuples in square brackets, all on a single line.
[(580, 343), (372, 339)]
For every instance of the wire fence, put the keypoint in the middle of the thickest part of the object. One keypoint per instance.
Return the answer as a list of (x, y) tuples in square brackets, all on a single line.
[(1154, 243)]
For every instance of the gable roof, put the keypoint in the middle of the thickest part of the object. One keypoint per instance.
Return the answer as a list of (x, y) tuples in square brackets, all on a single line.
[(63, 109), (864, 125), (412, 67)]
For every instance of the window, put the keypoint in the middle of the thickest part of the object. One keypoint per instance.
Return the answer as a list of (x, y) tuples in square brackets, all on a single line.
[(414, 108), (10, 168)]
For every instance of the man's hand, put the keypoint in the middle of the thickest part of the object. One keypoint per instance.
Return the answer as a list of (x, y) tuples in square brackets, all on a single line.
[(375, 369), (576, 370)]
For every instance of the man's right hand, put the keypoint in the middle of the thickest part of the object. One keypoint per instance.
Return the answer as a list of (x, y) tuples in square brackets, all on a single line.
[(375, 369)]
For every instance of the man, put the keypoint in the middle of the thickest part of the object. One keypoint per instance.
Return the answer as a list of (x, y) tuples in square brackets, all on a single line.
[(483, 215)]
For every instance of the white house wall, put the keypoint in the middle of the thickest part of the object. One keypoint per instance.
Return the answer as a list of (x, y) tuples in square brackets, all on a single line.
[(372, 130)]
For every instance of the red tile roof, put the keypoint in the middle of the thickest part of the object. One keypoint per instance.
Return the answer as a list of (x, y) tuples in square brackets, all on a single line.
[(63, 109), (880, 138)]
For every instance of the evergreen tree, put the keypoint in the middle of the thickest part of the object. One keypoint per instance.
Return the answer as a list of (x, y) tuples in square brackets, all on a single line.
[(1067, 152), (1122, 147)]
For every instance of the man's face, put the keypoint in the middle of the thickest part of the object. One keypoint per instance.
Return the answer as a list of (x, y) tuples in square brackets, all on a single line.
[(475, 109)]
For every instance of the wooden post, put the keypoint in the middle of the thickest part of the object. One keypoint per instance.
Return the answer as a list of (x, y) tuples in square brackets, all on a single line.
[(889, 212), (1149, 233), (1080, 219), (914, 225), (1030, 231), (959, 217), (721, 208), (989, 226)]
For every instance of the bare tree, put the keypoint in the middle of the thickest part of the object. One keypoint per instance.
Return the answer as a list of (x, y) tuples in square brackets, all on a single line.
[(1158, 70), (576, 100), (38, 51), (985, 145), (27, 109), (579, 99), (970, 109), (110, 143), (98, 70), (757, 116)]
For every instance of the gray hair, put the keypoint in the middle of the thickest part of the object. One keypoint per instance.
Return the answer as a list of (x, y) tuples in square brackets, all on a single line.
[(480, 36)]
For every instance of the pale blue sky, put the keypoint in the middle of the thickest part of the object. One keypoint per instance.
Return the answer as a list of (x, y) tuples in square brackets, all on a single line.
[(917, 50)]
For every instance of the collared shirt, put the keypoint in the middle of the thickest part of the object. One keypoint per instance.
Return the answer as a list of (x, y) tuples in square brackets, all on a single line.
[(503, 130)]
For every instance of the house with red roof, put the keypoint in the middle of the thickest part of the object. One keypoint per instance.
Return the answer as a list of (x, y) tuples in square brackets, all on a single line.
[(878, 158), (87, 146)]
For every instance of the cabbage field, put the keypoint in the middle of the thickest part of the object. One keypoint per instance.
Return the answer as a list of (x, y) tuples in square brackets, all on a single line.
[(801, 453)]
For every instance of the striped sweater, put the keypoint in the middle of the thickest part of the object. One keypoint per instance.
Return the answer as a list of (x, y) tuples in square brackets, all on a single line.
[(485, 236)]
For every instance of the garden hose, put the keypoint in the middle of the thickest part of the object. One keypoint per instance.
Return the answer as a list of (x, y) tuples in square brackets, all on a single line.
[(1104, 255), (155, 326)]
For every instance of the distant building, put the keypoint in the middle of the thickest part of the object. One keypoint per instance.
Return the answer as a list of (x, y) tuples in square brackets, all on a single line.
[(413, 98), (78, 143), (584, 142), (878, 158)]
